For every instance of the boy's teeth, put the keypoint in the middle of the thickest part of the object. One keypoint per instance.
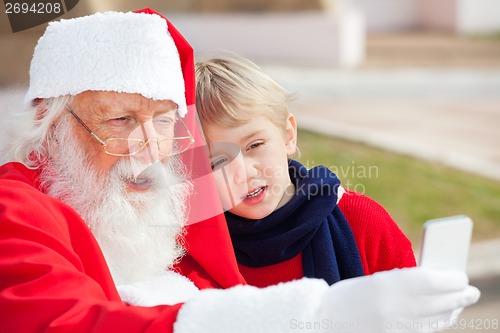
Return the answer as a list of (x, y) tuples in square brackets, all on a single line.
[(254, 193)]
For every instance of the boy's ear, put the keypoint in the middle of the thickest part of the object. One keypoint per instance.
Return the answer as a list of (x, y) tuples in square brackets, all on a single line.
[(291, 135)]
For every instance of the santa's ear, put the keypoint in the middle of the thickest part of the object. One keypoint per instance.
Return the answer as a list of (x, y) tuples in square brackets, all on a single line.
[(41, 108), (291, 135)]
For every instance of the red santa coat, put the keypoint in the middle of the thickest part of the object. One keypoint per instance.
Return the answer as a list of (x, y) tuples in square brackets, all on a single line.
[(53, 276)]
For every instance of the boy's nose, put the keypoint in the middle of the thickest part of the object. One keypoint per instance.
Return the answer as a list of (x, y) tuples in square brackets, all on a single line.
[(247, 171)]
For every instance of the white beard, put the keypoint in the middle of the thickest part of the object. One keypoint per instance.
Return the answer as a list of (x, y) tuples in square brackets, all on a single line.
[(137, 232)]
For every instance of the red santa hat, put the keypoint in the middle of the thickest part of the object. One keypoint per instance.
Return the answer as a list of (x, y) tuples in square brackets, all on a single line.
[(112, 51)]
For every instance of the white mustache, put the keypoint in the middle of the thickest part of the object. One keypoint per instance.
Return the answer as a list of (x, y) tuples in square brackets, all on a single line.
[(157, 173)]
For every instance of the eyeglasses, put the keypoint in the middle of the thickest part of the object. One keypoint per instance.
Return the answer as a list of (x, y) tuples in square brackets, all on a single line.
[(167, 146)]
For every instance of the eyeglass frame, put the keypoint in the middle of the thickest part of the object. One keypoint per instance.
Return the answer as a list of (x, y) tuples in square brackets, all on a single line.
[(143, 143)]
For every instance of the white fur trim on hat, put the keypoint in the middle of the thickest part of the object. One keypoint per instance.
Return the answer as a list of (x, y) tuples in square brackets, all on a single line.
[(121, 52)]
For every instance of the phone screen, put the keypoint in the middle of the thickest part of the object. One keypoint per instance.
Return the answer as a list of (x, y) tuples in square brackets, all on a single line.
[(445, 243)]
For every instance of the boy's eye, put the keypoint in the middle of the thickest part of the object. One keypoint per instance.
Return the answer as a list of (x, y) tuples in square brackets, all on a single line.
[(219, 163), (254, 145)]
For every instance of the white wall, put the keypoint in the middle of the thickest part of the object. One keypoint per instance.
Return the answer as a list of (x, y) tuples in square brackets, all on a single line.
[(461, 16), (478, 16), (388, 15), (306, 38)]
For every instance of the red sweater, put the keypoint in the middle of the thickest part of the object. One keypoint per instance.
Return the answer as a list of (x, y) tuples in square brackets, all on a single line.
[(381, 244)]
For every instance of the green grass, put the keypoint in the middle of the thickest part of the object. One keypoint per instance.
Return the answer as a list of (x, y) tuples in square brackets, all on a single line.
[(488, 37), (412, 190)]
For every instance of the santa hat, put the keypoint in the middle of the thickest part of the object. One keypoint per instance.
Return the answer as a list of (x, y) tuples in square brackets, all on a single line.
[(121, 52)]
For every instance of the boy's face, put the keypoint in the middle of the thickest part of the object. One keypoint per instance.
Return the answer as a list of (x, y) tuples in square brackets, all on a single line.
[(251, 167)]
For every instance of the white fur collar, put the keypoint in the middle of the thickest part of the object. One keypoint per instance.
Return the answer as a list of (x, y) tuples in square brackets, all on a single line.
[(167, 287)]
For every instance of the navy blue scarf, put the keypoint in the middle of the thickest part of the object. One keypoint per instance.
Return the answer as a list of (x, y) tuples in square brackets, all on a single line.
[(310, 222)]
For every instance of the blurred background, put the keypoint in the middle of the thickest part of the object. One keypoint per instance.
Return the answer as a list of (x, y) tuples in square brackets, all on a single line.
[(401, 98)]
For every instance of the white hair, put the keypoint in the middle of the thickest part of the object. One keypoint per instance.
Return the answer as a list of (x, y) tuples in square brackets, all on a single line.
[(28, 133)]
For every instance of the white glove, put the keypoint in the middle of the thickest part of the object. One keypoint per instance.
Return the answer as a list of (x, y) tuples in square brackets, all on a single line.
[(383, 302), (246, 309), (400, 300)]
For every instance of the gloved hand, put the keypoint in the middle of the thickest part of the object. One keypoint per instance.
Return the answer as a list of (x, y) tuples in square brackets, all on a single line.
[(401, 300)]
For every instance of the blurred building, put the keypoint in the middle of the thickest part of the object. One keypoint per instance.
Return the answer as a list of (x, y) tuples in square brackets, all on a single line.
[(469, 17), (317, 32)]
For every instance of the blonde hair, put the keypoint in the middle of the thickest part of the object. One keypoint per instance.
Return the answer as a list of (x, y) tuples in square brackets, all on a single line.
[(231, 90)]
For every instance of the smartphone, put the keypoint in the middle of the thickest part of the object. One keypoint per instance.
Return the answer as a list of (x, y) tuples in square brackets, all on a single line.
[(445, 243)]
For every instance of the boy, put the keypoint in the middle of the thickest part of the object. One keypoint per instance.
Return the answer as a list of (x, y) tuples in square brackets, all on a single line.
[(286, 222)]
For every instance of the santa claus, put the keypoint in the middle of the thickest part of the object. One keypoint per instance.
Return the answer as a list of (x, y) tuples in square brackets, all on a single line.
[(109, 220)]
